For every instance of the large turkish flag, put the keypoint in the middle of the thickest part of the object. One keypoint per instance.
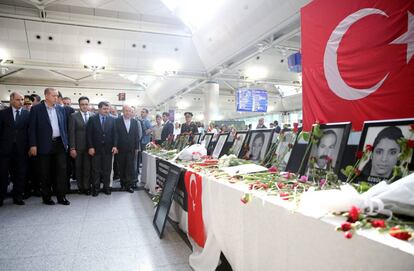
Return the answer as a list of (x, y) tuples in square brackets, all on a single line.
[(194, 184), (357, 61)]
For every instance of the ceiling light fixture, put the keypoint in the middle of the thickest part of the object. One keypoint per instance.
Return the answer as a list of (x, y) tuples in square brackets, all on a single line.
[(256, 72), (93, 61), (166, 67)]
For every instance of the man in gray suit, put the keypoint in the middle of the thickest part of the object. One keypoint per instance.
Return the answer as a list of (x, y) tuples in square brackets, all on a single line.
[(78, 145)]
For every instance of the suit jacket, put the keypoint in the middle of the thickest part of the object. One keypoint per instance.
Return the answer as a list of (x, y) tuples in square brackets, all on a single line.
[(101, 139), (167, 130), (127, 141), (11, 133), (77, 131), (40, 129)]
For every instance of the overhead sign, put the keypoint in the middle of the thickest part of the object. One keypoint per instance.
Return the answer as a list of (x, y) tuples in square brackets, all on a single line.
[(251, 100)]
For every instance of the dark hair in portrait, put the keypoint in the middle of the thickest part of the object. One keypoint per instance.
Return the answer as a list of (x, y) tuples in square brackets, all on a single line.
[(385, 153), (256, 146)]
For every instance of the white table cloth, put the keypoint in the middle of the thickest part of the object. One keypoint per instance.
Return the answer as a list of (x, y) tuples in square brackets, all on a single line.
[(266, 234)]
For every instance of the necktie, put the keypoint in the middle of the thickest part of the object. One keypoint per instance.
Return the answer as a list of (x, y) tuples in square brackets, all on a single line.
[(86, 117), (17, 116), (103, 122)]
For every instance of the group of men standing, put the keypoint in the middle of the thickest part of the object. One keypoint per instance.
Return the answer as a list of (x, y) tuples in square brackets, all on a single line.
[(50, 131)]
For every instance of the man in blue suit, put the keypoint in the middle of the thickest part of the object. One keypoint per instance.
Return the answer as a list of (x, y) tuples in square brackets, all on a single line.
[(48, 138), (14, 144), (102, 142)]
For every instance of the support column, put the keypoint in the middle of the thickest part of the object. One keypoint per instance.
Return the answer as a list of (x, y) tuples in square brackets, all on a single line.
[(211, 102)]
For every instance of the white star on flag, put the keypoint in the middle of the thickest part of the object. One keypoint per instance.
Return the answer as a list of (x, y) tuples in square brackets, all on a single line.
[(407, 37)]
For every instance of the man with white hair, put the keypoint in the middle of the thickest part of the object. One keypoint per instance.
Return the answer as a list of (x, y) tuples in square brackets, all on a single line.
[(128, 146), (14, 146)]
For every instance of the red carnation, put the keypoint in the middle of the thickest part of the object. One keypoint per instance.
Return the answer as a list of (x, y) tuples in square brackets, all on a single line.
[(295, 127), (400, 234), (272, 169), (280, 185), (284, 196), (348, 235), (369, 147), (410, 143), (353, 215), (346, 226), (359, 154), (378, 223)]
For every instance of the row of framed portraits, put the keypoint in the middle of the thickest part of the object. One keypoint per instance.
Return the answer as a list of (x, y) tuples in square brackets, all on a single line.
[(337, 142)]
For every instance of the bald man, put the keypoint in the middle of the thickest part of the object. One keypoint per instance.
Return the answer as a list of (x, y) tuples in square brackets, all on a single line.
[(14, 146), (128, 145)]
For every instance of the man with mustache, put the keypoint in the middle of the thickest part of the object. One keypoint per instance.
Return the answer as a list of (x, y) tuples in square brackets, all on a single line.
[(325, 148)]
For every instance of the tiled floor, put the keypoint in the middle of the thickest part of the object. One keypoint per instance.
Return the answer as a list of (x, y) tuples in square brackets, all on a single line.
[(103, 233)]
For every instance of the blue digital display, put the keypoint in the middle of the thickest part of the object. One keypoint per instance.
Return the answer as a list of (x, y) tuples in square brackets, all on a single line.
[(251, 100)]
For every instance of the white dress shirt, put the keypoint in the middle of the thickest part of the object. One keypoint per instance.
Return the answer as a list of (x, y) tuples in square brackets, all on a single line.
[(127, 123), (51, 111), (85, 116), (15, 112)]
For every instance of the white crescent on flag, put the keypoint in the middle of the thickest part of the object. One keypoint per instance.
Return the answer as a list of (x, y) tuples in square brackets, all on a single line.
[(330, 64)]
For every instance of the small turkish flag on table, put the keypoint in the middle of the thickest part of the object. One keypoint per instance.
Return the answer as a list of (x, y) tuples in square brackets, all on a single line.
[(357, 61), (194, 185)]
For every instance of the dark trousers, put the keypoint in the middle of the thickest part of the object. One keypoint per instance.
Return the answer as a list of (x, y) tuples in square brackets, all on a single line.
[(14, 164), (116, 167), (126, 165), (101, 168), (52, 171), (32, 181), (70, 169), (83, 170)]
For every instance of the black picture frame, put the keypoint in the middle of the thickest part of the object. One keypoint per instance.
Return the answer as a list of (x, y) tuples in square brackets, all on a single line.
[(374, 133), (239, 141), (339, 132), (166, 198), (196, 138), (209, 138), (283, 152), (264, 137), (220, 143)]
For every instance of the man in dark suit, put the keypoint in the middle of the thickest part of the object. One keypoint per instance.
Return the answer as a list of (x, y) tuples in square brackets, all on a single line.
[(102, 141), (168, 128), (48, 138), (128, 145), (78, 145), (14, 144)]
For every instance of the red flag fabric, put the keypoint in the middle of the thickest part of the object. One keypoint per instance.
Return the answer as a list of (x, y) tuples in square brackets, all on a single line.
[(194, 184), (357, 59)]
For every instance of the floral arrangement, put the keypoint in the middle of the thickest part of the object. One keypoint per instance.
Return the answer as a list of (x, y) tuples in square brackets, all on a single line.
[(357, 220)]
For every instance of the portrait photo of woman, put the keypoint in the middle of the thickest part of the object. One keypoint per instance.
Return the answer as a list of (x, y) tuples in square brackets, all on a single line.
[(383, 140), (259, 143)]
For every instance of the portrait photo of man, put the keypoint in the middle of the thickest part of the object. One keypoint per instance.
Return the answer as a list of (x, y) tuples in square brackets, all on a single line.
[(326, 150)]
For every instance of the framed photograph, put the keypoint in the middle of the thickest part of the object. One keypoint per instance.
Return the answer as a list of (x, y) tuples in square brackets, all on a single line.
[(330, 147), (218, 149), (196, 138), (207, 139), (275, 136), (383, 136), (287, 140), (238, 142), (259, 142)]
